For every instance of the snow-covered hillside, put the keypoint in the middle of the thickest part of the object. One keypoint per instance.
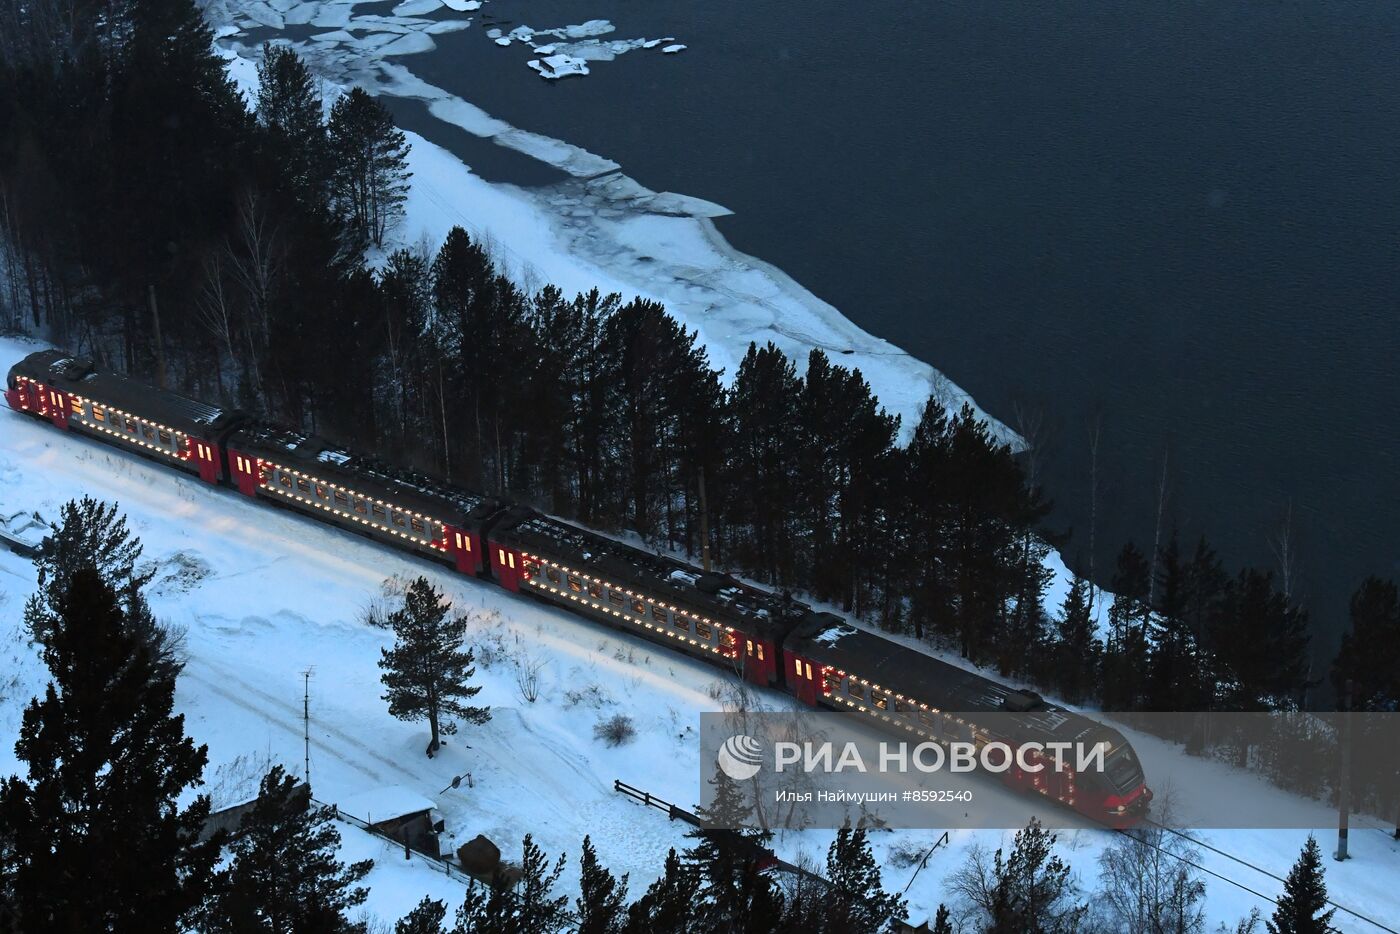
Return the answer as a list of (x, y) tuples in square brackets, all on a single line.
[(266, 594)]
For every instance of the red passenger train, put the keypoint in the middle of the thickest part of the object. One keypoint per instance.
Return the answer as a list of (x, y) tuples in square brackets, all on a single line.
[(769, 639)]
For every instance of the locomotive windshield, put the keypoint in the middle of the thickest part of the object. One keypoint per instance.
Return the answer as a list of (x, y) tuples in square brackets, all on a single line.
[(1122, 768)]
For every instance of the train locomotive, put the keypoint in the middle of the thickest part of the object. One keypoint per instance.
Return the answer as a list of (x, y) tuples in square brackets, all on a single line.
[(769, 639)]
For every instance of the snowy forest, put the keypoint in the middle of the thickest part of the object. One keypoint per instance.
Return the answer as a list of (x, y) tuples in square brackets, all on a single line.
[(239, 250)]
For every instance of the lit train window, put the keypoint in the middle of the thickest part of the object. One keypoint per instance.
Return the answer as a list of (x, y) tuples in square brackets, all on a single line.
[(833, 681), (510, 557), (661, 615), (855, 690), (165, 437), (880, 700), (726, 640), (615, 598), (98, 414), (78, 408), (797, 666), (303, 485), (925, 717), (678, 621), (458, 537), (286, 481), (378, 511), (809, 670), (130, 423), (703, 630), (760, 651), (360, 506), (552, 574), (595, 589), (148, 432), (639, 607), (320, 492), (417, 525), (341, 499), (398, 519), (575, 585)]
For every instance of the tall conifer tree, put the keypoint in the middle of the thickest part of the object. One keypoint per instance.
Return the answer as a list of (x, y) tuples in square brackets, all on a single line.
[(95, 839), (427, 670)]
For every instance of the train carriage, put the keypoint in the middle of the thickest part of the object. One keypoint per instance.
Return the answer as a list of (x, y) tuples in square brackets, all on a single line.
[(833, 664), (166, 426), (355, 492), (707, 615)]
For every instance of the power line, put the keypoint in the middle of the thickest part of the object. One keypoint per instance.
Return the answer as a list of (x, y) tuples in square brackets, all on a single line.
[(1243, 862)]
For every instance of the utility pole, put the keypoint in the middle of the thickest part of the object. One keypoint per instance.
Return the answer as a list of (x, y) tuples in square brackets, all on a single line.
[(306, 724), (155, 331), (1344, 793), (704, 524)]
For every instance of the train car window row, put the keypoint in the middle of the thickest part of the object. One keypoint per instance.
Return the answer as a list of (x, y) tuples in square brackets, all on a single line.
[(129, 428), (342, 502), (919, 718), (619, 603)]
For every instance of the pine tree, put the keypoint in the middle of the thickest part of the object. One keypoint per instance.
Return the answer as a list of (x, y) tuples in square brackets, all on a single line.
[(601, 905), (669, 905), (734, 894), (856, 900), (427, 670), (763, 408), (425, 918), (89, 533), (289, 112), (529, 908), (1259, 641), (95, 839), (370, 166), (283, 877), (1301, 907), (942, 923), (1370, 653), (1077, 651)]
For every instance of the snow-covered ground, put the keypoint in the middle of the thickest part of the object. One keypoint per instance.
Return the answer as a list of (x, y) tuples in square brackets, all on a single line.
[(266, 594), (600, 228)]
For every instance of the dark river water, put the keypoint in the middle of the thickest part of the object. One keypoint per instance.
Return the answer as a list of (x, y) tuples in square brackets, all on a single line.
[(1182, 219)]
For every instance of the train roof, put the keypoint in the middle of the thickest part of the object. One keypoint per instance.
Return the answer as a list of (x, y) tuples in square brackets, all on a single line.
[(712, 594), (828, 639), (78, 375), (368, 476)]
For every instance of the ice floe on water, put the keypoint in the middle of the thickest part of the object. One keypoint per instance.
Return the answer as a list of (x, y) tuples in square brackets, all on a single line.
[(417, 7), (558, 66), (673, 49)]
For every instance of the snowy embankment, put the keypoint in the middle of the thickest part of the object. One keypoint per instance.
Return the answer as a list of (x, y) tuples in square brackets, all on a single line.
[(265, 595)]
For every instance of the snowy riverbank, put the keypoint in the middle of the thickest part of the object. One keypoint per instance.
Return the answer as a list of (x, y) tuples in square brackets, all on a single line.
[(600, 227)]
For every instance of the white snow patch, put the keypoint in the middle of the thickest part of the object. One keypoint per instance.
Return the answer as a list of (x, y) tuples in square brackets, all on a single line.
[(557, 66), (673, 49)]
